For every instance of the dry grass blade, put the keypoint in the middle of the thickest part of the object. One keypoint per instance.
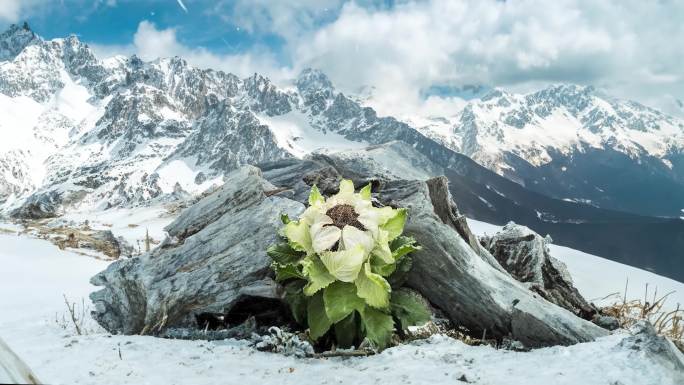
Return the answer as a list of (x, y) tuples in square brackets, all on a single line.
[(667, 323), (72, 313)]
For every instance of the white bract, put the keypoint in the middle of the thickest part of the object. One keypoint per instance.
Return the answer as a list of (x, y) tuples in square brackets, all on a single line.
[(345, 230)]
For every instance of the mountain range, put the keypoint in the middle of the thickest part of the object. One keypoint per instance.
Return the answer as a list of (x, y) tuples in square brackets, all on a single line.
[(575, 143), (80, 133)]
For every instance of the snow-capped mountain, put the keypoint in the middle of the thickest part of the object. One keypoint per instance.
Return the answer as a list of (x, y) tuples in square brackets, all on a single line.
[(574, 142), (84, 132), (122, 131)]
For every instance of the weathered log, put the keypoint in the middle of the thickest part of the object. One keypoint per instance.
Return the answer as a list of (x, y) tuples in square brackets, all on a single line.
[(12, 369), (220, 259), (472, 292), (453, 271), (525, 255), (218, 255)]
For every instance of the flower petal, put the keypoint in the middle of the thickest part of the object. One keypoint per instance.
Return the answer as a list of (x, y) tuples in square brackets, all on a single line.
[(346, 186), (312, 213), (351, 237), (298, 235), (382, 249), (324, 237), (385, 214), (365, 192), (345, 264), (369, 220), (315, 196), (344, 196)]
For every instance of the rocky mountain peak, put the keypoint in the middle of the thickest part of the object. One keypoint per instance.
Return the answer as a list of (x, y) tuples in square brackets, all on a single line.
[(15, 39), (316, 89), (574, 97), (313, 79)]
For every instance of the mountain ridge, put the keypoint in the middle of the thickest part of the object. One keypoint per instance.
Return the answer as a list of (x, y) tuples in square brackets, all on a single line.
[(123, 132), (569, 142)]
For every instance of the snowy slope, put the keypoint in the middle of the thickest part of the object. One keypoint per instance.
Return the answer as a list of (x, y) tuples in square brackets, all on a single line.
[(31, 324)]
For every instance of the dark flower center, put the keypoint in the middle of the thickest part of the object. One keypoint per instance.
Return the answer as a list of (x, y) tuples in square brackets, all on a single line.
[(343, 215)]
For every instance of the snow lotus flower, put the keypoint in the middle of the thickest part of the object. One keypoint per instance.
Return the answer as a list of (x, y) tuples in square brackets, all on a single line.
[(345, 229), (340, 255)]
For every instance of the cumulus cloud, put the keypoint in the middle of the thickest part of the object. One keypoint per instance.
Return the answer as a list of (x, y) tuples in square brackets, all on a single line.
[(11, 11), (150, 43), (630, 47), (289, 19)]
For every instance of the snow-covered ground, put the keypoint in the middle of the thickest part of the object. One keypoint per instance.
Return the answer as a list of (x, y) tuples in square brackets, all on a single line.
[(601, 280), (35, 275), (130, 223), (296, 135)]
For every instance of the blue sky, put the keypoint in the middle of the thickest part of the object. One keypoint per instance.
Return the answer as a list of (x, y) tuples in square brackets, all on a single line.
[(416, 55), (115, 22)]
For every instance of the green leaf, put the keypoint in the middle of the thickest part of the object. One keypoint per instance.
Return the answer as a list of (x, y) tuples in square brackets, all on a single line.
[(317, 319), (402, 268), (410, 308), (283, 253), (373, 288), (344, 264), (315, 196), (347, 331), (377, 326), (285, 218), (395, 225), (341, 300), (286, 271), (378, 266), (297, 233), (316, 274), (365, 192), (296, 299), (403, 245)]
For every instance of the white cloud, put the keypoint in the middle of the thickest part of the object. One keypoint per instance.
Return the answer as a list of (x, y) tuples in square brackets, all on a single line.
[(289, 19), (631, 48), (150, 43), (11, 11)]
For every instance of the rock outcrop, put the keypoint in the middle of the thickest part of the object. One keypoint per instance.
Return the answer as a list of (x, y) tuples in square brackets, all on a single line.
[(39, 206), (646, 343), (216, 255), (525, 255)]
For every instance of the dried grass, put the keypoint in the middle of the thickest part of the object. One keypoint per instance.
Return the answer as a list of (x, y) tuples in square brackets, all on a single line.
[(76, 319), (667, 322)]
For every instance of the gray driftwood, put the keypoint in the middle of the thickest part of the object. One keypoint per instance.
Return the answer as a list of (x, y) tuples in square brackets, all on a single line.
[(525, 255), (215, 254), (217, 259)]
